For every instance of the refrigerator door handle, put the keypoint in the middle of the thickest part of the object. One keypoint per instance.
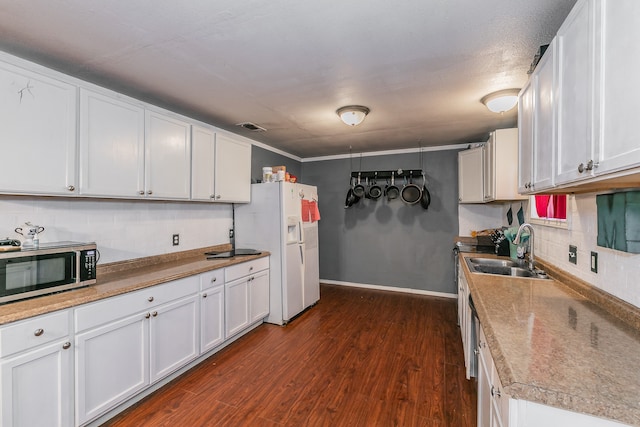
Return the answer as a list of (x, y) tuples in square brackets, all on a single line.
[(300, 232), (301, 253)]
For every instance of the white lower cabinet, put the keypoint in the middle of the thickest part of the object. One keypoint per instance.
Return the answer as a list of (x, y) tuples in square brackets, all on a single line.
[(128, 342), (212, 297), (246, 294), (36, 370)]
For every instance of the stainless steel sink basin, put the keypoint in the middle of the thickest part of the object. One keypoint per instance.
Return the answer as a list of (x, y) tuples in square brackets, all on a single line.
[(493, 262), (502, 267)]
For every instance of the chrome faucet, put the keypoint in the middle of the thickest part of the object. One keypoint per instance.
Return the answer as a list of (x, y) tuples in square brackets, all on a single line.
[(517, 242)]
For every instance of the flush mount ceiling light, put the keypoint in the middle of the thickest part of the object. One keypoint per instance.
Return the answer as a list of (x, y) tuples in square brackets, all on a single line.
[(501, 101), (352, 115)]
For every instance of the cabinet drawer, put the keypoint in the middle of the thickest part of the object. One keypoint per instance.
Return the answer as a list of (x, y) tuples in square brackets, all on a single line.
[(101, 312), (33, 332), (211, 279), (240, 270)]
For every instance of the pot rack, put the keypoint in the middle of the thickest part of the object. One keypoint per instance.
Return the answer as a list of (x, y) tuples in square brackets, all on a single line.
[(399, 173)]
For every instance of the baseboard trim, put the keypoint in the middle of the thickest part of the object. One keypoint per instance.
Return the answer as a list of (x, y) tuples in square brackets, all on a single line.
[(390, 288)]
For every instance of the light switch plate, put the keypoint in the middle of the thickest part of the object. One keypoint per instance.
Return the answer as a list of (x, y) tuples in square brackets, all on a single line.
[(594, 261), (573, 254)]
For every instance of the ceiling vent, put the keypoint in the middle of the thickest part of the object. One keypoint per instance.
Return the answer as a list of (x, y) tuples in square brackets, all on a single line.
[(252, 127)]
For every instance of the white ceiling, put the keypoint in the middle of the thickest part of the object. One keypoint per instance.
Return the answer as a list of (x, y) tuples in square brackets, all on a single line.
[(421, 66)]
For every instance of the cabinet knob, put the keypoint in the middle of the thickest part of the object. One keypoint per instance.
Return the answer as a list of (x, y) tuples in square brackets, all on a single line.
[(38, 332), (214, 279), (66, 345), (204, 295), (591, 165), (581, 167), (141, 192), (71, 188), (148, 315), (213, 196), (250, 268), (149, 192), (495, 392), (218, 196), (476, 351), (154, 314)]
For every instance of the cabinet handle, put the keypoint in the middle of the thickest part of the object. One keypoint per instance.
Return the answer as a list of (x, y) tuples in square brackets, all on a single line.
[(148, 315), (154, 314), (204, 295), (150, 299), (141, 192), (495, 392), (149, 192), (38, 332), (71, 188), (66, 345)]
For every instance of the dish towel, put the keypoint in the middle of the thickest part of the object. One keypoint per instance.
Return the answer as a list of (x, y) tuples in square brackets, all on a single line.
[(310, 211)]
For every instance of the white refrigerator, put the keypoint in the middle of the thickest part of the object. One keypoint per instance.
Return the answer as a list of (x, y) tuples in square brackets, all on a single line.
[(273, 222)]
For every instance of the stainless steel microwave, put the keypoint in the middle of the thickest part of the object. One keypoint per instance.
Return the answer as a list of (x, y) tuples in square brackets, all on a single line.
[(52, 267)]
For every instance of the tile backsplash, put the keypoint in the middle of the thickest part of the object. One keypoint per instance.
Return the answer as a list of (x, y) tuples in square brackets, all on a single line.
[(122, 229), (618, 271)]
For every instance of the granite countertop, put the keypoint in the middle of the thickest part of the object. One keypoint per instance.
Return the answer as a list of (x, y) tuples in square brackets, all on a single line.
[(122, 277), (555, 343)]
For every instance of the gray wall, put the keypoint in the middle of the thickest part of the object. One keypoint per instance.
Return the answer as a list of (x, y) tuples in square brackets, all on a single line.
[(261, 157), (388, 243)]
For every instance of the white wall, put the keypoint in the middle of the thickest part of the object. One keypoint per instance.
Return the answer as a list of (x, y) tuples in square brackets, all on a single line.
[(122, 229)]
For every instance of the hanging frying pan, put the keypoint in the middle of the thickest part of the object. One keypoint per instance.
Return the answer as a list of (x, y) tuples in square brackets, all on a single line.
[(359, 189), (425, 198), (410, 193), (351, 198), (392, 192), (375, 191)]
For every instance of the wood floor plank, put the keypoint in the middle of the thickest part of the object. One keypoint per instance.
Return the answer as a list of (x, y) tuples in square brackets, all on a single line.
[(358, 358)]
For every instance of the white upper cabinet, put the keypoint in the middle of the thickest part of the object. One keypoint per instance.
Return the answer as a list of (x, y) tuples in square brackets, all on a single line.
[(500, 172), (203, 164), (221, 167), (38, 132), (617, 59), (167, 157), (538, 127), (575, 94), (111, 146), (470, 179), (233, 169)]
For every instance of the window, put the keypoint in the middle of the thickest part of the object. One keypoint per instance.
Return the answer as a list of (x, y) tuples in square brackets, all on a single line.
[(549, 209)]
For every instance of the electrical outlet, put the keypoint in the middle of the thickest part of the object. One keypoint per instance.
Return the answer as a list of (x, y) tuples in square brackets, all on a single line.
[(231, 233), (176, 239), (573, 254), (594, 261)]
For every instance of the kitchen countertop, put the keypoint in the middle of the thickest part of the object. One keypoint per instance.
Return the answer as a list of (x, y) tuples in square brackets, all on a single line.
[(122, 277), (561, 344)]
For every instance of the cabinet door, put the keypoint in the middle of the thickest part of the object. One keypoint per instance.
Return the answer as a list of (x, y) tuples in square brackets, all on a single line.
[(111, 146), (236, 310), (525, 138), (173, 332), (259, 296), (544, 121), (203, 146), (489, 165), (233, 169), (38, 149), (37, 387), (167, 157), (618, 146), (470, 182), (575, 94), (111, 365), (211, 318), (484, 391)]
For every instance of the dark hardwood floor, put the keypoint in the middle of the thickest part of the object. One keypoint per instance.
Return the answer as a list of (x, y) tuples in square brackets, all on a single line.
[(358, 358)]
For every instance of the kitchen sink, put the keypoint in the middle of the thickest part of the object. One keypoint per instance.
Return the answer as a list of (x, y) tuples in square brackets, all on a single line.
[(503, 267)]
